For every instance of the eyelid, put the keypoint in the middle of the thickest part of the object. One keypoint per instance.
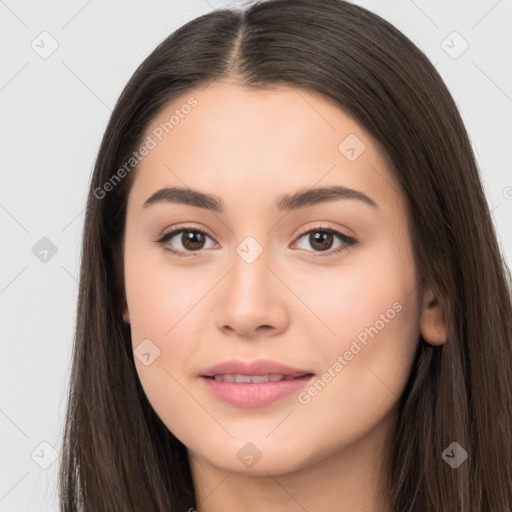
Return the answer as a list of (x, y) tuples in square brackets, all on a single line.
[(322, 227), (190, 227)]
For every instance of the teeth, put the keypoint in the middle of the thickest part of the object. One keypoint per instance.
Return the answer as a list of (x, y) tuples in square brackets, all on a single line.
[(260, 378), (254, 379)]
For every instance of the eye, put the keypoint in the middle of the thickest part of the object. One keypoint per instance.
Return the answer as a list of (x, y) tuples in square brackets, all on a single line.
[(191, 240), (322, 238)]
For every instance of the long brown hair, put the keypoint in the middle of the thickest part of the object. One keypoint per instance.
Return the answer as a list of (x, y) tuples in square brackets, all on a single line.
[(117, 454)]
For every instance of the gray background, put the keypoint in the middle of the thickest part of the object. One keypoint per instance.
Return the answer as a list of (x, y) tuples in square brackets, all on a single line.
[(54, 111)]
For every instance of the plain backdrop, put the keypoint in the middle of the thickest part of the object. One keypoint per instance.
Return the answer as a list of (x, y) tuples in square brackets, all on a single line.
[(63, 66)]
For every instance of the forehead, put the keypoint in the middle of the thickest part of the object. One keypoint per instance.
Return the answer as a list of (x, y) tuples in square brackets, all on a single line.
[(240, 142)]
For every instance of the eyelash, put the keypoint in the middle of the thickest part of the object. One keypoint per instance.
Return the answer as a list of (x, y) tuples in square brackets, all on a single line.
[(347, 240)]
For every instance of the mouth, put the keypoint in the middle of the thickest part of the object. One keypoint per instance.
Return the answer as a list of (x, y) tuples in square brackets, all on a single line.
[(253, 384)]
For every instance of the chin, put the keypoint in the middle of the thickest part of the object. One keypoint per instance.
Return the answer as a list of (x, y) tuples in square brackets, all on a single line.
[(259, 457)]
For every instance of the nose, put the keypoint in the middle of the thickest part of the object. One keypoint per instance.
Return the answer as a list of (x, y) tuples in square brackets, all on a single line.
[(252, 300)]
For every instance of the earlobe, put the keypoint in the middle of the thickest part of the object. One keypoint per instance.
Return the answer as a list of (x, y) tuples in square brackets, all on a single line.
[(433, 327), (126, 314)]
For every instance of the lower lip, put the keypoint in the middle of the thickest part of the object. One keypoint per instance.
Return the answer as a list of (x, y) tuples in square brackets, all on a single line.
[(254, 395)]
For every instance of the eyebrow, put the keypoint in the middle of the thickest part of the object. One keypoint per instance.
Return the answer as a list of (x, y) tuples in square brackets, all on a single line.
[(300, 199)]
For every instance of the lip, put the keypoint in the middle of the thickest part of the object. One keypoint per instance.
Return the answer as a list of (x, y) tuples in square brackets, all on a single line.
[(257, 367), (253, 394)]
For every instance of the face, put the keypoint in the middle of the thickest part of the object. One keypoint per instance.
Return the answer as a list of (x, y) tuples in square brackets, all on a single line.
[(324, 285)]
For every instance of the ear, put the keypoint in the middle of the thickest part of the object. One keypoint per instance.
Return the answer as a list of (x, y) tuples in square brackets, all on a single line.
[(433, 327), (126, 315), (118, 263)]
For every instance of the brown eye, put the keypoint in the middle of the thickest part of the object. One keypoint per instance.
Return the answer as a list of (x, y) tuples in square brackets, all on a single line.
[(192, 240), (321, 239), (184, 240)]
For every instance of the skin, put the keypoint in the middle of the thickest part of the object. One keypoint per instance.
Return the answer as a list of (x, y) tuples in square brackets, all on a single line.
[(248, 147)]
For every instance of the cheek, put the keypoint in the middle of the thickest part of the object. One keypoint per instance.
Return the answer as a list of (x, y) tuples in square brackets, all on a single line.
[(160, 302), (369, 295), (159, 294), (375, 318)]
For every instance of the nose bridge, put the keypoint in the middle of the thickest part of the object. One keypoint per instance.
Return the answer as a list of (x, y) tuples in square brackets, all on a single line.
[(248, 298), (250, 273), (251, 249)]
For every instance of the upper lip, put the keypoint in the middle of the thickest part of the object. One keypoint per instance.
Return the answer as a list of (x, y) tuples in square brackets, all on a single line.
[(257, 367)]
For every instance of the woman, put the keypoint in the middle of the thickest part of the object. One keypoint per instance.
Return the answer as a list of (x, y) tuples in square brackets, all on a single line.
[(291, 293)]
